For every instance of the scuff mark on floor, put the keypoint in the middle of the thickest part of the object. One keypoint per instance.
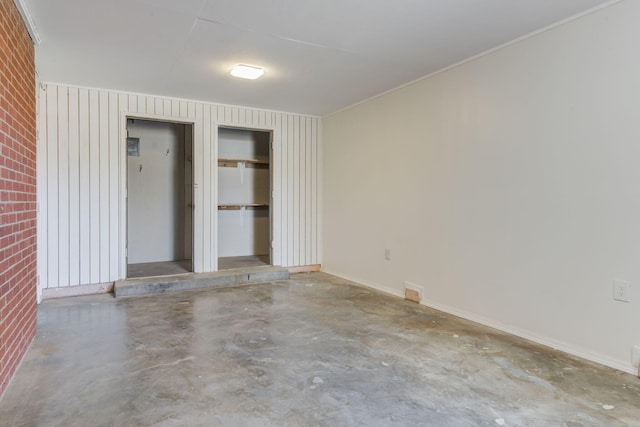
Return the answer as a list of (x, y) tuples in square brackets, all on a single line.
[(519, 373)]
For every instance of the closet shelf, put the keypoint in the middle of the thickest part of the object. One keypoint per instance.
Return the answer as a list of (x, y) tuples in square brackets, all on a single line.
[(249, 163), (237, 207)]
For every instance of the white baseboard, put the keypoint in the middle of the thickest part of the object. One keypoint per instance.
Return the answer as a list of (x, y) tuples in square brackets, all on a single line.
[(366, 283), (556, 345), (74, 291)]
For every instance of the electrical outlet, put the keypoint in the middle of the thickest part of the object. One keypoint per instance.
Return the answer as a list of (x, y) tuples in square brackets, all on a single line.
[(635, 356), (622, 290), (387, 254)]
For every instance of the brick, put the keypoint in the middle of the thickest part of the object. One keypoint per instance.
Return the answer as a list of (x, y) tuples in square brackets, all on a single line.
[(17, 191)]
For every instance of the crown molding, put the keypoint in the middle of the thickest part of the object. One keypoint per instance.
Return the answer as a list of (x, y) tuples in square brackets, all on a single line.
[(28, 20)]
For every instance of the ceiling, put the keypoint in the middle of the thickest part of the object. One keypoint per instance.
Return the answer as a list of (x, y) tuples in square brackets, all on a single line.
[(319, 55)]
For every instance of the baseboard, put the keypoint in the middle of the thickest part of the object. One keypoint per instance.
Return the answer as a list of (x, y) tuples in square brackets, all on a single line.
[(104, 288), (394, 292), (304, 268), (556, 345), (528, 335), (74, 291)]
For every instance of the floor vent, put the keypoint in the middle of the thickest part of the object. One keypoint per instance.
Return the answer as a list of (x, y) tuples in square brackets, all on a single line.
[(413, 292)]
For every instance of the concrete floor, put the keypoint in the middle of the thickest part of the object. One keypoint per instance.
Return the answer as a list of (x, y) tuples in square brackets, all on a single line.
[(166, 268), (183, 266), (233, 262), (310, 351)]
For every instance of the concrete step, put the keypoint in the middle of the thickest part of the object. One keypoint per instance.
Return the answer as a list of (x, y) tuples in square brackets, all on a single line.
[(184, 282)]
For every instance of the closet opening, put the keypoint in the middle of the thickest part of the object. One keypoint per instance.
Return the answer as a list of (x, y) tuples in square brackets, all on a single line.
[(159, 198), (244, 198)]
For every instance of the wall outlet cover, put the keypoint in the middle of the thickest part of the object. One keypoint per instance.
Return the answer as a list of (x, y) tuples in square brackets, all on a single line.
[(622, 290)]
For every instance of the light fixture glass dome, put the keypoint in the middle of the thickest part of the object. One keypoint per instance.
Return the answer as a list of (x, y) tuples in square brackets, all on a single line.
[(247, 71)]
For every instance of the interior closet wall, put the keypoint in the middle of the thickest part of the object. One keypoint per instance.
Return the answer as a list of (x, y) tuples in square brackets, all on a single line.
[(82, 162), (243, 230), (157, 193)]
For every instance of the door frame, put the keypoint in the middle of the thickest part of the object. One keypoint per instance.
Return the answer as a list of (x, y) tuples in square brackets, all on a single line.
[(124, 180), (272, 135)]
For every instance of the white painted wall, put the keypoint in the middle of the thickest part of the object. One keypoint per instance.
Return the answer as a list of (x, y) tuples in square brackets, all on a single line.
[(243, 144), (82, 160), (243, 232), (508, 187), (156, 214)]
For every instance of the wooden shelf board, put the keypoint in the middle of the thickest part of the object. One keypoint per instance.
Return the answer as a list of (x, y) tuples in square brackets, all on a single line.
[(237, 207), (249, 163)]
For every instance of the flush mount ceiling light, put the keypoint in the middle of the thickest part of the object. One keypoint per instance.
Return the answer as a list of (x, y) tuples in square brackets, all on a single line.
[(247, 71)]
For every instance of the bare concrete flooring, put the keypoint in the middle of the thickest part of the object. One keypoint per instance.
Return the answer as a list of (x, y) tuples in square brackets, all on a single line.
[(183, 266), (310, 351), (230, 263), (166, 268)]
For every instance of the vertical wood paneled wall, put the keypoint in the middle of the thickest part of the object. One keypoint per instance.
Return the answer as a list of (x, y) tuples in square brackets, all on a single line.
[(81, 165)]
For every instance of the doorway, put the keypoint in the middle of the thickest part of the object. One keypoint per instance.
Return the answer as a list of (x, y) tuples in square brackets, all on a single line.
[(159, 198), (244, 198)]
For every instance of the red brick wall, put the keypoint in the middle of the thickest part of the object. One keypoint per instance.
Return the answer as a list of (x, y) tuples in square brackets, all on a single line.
[(18, 277)]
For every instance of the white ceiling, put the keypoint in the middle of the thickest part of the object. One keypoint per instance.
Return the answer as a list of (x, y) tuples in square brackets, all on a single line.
[(319, 55)]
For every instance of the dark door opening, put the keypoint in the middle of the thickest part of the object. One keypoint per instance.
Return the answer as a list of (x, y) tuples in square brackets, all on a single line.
[(159, 198), (244, 198)]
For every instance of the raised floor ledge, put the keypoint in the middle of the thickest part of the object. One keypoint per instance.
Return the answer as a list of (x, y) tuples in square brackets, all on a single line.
[(189, 281)]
